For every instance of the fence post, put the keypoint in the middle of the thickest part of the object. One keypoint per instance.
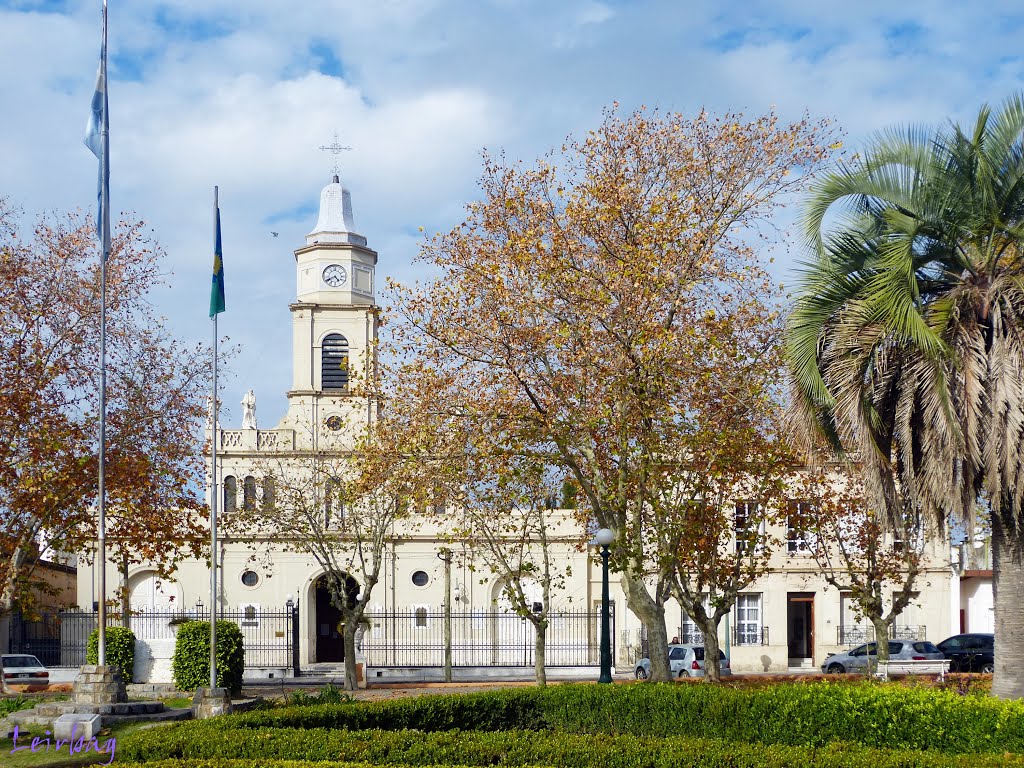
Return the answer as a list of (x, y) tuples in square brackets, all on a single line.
[(296, 670)]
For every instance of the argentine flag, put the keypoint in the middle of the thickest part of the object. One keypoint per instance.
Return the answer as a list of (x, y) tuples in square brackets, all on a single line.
[(97, 137)]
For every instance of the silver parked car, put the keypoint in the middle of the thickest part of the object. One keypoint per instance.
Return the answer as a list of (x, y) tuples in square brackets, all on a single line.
[(23, 669), (685, 661), (857, 660)]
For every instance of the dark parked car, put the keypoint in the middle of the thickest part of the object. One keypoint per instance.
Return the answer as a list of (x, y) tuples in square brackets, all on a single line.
[(973, 652)]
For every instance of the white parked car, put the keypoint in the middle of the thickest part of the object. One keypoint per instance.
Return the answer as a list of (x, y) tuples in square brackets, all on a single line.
[(23, 669), (857, 659), (685, 661)]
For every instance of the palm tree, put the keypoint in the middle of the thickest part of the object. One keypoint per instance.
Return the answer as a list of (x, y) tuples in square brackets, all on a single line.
[(906, 343)]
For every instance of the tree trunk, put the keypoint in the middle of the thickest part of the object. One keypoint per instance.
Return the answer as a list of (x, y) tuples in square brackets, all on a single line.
[(652, 614), (712, 668), (1007, 588), (349, 633), (881, 641), (539, 652)]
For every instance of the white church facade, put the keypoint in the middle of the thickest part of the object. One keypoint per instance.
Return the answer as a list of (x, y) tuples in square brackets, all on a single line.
[(790, 618)]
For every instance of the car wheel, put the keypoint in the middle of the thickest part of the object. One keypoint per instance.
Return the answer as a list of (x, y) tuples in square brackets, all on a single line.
[(836, 669), (988, 669), (641, 673)]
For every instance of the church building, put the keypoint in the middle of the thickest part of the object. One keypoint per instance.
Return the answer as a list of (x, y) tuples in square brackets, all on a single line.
[(791, 619)]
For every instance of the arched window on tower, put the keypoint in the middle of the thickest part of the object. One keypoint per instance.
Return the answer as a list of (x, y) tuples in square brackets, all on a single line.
[(249, 493), (334, 363), (230, 493)]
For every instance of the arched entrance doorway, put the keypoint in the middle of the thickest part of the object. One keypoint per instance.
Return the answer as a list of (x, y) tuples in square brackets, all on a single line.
[(330, 644), (514, 635)]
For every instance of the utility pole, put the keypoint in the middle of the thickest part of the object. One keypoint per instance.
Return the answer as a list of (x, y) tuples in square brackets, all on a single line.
[(446, 555)]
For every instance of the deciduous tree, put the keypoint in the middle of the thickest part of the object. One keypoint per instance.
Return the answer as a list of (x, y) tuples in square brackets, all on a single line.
[(578, 294), (856, 551), (49, 387)]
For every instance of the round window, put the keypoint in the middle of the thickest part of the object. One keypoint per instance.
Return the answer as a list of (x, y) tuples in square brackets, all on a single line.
[(250, 578), (334, 423), (420, 578)]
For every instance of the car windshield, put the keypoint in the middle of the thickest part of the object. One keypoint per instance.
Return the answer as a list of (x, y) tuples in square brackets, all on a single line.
[(13, 662), (925, 648)]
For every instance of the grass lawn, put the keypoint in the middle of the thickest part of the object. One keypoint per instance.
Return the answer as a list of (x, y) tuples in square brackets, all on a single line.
[(53, 757)]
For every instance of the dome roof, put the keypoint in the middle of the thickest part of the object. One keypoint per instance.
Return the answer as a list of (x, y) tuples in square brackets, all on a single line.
[(335, 223)]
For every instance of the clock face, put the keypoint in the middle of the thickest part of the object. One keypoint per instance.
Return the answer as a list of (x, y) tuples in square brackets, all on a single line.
[(335, 275)]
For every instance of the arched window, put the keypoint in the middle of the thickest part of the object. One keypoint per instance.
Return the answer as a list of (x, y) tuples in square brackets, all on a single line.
[(230, 493), (334, 362), (249, 493), (269, 492)]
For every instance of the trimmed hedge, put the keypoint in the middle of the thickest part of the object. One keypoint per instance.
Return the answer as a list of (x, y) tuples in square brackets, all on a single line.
[(191, 662), (251, 749), (811, 715), (120, 650)]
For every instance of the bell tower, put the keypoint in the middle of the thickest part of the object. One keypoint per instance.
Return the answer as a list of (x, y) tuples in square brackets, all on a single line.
[(334, 322)]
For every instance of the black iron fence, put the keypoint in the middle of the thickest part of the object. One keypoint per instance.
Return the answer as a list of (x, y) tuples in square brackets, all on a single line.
[(740, 635), (750, 635), (866, 634), (60, 640), (479, 638)]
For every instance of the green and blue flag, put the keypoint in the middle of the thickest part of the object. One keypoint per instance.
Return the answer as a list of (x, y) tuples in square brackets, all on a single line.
[(217, 289)]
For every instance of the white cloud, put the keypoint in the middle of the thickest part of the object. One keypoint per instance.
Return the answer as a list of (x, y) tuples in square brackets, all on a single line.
[(228, 93)]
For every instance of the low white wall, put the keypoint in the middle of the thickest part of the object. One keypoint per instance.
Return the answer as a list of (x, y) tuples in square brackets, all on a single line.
[(153, 661)]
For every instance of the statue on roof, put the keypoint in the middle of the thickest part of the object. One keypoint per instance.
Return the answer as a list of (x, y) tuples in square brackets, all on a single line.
[(249, 410)]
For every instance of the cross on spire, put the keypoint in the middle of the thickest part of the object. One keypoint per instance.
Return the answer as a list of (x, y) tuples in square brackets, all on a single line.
[(335, 149)]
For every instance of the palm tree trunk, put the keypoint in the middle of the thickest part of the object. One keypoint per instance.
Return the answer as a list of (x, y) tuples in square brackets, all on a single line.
[(1007, 588)]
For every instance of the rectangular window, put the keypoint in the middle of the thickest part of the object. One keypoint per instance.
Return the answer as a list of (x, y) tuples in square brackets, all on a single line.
[(853, 628), (798, 517), (746, 525), (748, 619), (689, 632)]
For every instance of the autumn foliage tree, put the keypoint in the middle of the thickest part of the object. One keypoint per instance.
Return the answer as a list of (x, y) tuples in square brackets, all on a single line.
[(340, 505), (501, 497), (584, 295), (725, 483), (49, 404), (858, 550)]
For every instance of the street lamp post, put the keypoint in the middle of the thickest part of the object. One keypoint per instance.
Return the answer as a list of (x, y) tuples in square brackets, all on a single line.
[(605, 537)]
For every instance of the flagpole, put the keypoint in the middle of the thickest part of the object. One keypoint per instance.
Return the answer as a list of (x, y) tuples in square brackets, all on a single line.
[(104, 214), (213, 499)]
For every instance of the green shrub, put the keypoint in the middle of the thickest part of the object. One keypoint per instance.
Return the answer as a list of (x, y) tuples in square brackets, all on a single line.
[(191, 662), (194, 743), (120, 650), (797, 714)]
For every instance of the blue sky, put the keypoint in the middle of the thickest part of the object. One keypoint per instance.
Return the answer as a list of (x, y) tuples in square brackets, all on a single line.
[(242, 94)]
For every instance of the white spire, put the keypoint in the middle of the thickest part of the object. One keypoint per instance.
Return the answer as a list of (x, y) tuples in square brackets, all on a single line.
[(335, 223)]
